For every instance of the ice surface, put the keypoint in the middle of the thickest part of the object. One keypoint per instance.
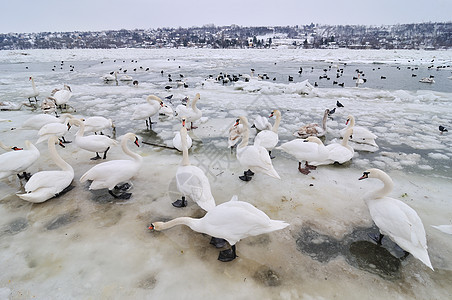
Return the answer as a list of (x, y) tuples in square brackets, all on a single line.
[(85, 244)]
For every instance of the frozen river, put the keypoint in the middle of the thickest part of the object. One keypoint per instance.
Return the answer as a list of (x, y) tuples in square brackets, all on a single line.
[(86, 245)]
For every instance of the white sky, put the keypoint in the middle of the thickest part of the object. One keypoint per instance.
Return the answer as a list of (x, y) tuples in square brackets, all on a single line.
[(95, 15)]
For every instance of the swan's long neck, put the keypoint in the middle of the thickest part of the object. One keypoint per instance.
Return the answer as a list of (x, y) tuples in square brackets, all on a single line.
[(81, 130), (57, 158), (193, 104), (388, 185), (30, 146), (325, 117), (277, 121), (33, 84), (351, 122), (245, 136), (183, 140), (127, 151), (187, 221)]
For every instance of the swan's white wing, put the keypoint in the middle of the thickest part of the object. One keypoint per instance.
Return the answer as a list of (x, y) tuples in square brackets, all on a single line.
[(53, 180), (110, 173)]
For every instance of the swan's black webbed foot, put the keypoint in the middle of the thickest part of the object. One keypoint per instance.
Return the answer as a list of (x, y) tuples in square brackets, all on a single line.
[(180, 203), (218, 242), (64, 191), (406, 254), (245, 178), (64, 140), (123, 187), (27, 176), (308, 166), (248, 173), (96, 157), (227, 255), (270, 154), (376, 238), (304, 171), (123, 196)]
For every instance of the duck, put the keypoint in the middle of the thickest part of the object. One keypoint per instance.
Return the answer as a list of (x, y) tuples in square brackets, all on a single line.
[(108, 175), (396, 219), (34, 93), (269, 138), (45, 185), (177, 140), (191, 180), (97, 123), (16, 162), (147, 110), (361, 135), (58, 129), (93, 143), (235, 134), (311, 149), (261, 123), (233, 221), (338, 153), (38, 121), (313, 129), (62, 96), (192, 113), (255, 158)]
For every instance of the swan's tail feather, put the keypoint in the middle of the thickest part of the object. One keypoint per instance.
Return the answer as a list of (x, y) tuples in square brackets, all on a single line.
[(278, 225)]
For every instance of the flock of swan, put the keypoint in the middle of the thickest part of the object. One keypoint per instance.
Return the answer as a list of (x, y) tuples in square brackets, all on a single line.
[(227, 222)]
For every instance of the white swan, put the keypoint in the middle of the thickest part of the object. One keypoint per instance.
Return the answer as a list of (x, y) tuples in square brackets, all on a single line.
[(191, 181), (269, 138), (311, 149), (261, 123), (15, 162), (62, 96), (233, 220), (34, 93), (93, 143), (255, 158), (396, 219), (313, 129), (192, 113), (338, 153), (36, 122), (443, 228), (125, 78), (235, 134), (177, 141), (147, 110), (47, 184), (166, 110), (108, 175), (113, 76), (361, 135), (51, 129), (97, 124)]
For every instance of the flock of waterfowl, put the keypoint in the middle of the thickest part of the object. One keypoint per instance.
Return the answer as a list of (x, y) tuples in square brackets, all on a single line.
[(230, 221)]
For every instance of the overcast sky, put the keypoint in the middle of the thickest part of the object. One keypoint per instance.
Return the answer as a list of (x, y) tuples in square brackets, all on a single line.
[(95, 15)]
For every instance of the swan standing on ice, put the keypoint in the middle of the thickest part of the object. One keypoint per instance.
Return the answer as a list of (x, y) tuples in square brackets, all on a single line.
[(58, 129), (191, 180), (177, 141), (233, 220), (361, 135), (147, 110), (254, 158), (34, 93), (269, 138), (396, 219), (108, 175), (93, 143), (311, 149), (313, 129), (192, 113), (235, 133), (15, 162), (62, 96), (97, 123), (338, 153), (48, 184)]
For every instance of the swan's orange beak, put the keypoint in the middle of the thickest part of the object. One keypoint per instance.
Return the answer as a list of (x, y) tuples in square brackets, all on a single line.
[(161, 104), (151, 227), (16, 148), (237, 122), (183, 123), (271, 115), (365, 175), (346, 123), (136, 142)]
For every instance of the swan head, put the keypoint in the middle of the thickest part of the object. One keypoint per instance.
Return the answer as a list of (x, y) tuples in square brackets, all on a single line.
[(242, 120), (157, 226), (373, 173), (184, 119), (153, 97), (313, 139), (276, 113), (350, 119)]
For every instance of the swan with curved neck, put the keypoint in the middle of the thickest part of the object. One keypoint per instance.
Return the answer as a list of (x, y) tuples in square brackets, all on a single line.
[(361, 134), (15, 162), (35, 92), (235, 134), (93, 143), (191, 180), (45, 185), (269, 138), (396, 219), (255, 158), (177, 141), (192, 113), (311, 149), (338, 153), (233, 220), (313, 129), (59, 129), (146, 111), (108, 175)]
